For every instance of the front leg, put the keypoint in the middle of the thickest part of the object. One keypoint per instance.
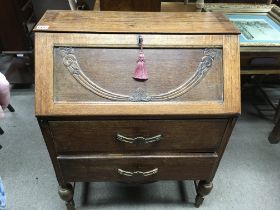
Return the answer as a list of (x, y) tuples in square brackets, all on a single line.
[(274, 136), (203, 189), (66, 193)]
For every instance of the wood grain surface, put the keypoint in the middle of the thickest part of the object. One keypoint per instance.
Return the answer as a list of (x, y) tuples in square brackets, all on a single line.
[(101, 136), (136, 22)]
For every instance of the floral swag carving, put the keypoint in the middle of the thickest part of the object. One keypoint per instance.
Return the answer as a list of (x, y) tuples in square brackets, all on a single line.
[(139, 95)]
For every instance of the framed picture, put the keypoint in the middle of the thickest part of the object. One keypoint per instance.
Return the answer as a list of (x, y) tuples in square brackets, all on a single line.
[(259, 24)]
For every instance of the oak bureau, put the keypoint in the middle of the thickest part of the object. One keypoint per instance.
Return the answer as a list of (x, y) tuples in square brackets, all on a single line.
[(136, 97)]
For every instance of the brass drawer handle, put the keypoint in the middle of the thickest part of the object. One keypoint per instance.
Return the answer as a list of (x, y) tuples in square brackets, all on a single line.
[(141, 173), (139, 140)]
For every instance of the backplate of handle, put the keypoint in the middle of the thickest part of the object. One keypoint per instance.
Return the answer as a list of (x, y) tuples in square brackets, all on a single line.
[(139, 140), (135, 173)]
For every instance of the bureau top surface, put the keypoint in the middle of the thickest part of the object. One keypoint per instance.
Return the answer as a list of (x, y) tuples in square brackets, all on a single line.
[(135, 22)]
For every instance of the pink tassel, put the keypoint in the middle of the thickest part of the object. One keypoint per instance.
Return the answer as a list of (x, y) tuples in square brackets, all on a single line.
[(141, 72)]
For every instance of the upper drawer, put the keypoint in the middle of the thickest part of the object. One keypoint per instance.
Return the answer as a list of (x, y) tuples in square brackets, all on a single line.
[(130, 136), (92, 74)]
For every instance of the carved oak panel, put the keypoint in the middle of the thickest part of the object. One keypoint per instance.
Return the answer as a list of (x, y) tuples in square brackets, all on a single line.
[(105, 74)]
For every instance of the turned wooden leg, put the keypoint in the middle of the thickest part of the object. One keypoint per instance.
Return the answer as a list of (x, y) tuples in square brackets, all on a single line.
[(66, 193), (274, 136), (203, 189)]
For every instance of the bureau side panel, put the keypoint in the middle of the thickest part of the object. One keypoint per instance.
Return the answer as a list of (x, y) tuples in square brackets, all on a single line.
[(44, 126), (221, 148)]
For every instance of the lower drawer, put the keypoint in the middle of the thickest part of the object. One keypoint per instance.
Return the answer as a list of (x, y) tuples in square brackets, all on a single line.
[(137, 168)]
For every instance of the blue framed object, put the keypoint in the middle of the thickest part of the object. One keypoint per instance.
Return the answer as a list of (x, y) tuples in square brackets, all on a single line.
[(2, 196), (256, 28)]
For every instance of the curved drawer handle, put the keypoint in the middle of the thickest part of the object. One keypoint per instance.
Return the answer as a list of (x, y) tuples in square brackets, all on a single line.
[(141, 173), (139, 140)]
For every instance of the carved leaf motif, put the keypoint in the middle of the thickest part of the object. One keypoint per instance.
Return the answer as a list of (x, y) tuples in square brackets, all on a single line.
[(139, 95)]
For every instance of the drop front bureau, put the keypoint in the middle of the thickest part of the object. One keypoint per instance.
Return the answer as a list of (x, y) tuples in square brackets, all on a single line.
[(136, 97)]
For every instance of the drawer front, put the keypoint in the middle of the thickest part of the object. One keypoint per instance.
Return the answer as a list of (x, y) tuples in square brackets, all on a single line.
[(137, 168), (124, 136)]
